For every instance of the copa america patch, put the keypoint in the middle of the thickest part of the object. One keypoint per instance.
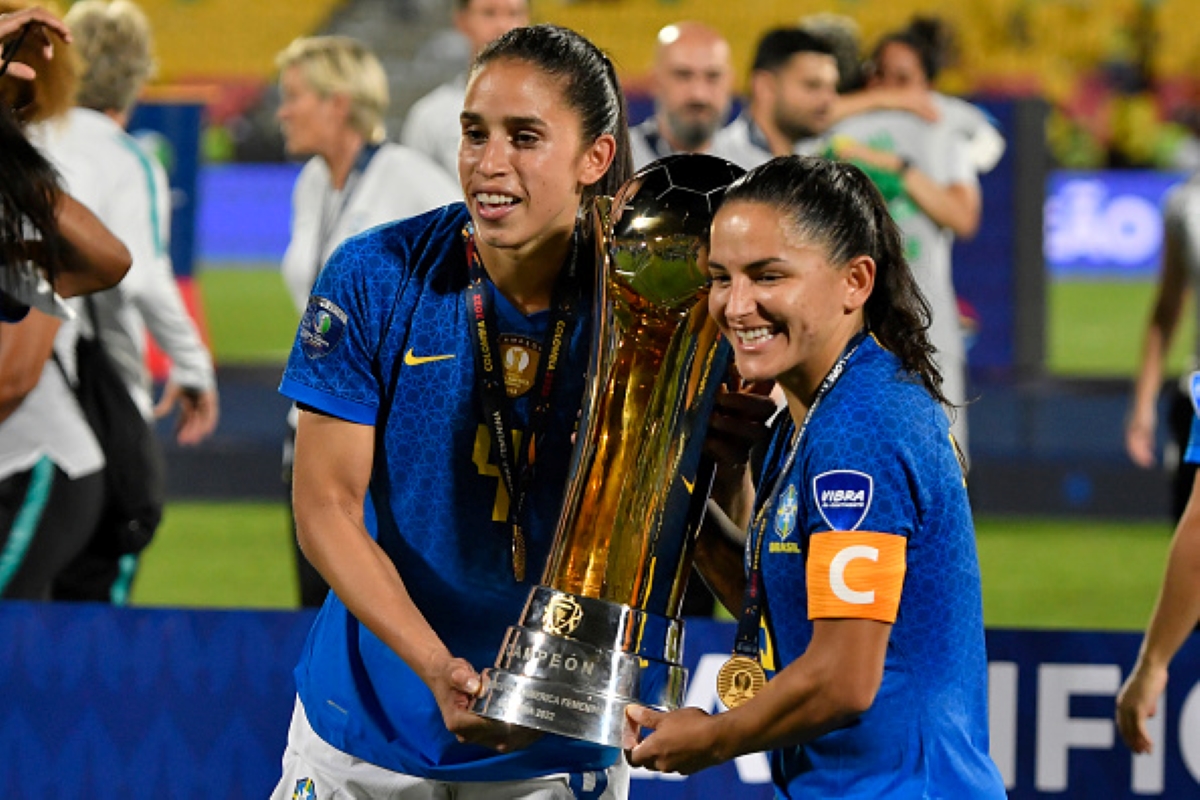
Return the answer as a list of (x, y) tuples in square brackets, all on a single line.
[(322, 327), (843, 497), (1194, 391), (785, 513)]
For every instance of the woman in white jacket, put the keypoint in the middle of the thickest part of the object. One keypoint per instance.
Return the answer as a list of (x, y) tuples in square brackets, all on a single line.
[(334, 95), (110, 173)]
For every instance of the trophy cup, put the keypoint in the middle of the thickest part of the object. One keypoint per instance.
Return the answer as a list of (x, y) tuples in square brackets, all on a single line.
[(602, 632)]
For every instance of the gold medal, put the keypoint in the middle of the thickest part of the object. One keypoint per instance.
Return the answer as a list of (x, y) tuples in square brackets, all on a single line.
[(740, 678)]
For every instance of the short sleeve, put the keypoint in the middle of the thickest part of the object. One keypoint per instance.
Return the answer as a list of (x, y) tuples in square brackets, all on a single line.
[(332, 363), (1192, 454)]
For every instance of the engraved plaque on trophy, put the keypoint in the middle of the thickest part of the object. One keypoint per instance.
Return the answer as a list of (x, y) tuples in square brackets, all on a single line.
[(602, 631)]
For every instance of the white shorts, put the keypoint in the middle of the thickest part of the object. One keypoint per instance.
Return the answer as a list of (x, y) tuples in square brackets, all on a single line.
[(315, 770)]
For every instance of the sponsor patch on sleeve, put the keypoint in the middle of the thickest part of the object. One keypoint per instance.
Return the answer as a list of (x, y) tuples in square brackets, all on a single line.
[(322, 328), (855, 575), (843, 497)]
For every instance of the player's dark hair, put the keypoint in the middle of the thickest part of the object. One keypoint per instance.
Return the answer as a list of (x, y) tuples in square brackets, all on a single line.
[(28, 194), (834, 205), (590, 87), (777, 46), (930, 38)]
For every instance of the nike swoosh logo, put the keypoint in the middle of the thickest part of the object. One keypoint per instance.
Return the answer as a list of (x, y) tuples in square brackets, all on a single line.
[(689, 485), (411, 360)]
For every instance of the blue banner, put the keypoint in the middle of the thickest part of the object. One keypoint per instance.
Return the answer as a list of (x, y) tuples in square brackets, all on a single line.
[(1106, 224), (170, 132), (139, 703)]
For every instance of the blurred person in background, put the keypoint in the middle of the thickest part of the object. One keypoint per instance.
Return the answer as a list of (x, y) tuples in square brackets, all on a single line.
[(693, 92), (334, 97), (431, 125), (1176, 613), (51, 466), (1176, 281), (791, 101), (794, 99), (127, 189), (926, 173)]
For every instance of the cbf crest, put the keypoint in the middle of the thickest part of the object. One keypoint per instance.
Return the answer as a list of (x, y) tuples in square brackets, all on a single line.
[(843, 497), (785, 513)]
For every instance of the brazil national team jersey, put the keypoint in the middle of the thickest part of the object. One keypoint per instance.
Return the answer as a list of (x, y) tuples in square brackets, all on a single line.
[(1192, 454), (386, 341), (872, 522)]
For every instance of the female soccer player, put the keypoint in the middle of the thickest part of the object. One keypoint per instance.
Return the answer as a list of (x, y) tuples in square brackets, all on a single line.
[(861, 570), (439, 370)]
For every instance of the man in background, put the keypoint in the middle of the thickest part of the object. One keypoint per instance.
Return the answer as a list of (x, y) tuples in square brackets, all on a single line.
[(693, 88), (792, 100), (432, 125)]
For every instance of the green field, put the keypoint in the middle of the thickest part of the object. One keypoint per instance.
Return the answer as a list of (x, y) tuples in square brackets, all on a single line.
[(1094, 329), (1036, 573)]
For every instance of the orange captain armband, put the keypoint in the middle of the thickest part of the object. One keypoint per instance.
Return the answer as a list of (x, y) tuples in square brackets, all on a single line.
[(855, 575)]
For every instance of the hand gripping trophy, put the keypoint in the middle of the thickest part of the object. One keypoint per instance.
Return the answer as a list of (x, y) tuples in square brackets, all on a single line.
[(602, 632)]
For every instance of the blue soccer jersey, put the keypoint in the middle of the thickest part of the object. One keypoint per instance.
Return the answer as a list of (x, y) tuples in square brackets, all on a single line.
[(872, 521), (1191, 455), (386, 341)]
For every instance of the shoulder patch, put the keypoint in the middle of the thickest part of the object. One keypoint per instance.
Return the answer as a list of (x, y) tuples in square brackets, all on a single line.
[(843, 497), (1194, 391), (322, 327)]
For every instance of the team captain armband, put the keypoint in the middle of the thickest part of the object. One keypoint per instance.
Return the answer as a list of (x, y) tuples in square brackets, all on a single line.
[(855, 574)]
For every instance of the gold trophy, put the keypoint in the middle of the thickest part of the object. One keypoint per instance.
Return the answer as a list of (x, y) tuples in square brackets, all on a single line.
[(602, 631)]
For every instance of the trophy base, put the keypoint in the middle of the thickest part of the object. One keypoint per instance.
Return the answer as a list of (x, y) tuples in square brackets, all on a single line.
[(547, 680)]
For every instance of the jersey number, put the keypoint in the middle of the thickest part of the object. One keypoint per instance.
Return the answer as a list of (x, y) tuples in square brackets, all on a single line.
[(482, 456)]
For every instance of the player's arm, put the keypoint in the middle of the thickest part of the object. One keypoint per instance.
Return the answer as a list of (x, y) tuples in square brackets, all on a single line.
[(1175, 617), (1160, 330), (914, 101), (957, 205), (737, 425), (835, 681), (93, 258), (333, 466)]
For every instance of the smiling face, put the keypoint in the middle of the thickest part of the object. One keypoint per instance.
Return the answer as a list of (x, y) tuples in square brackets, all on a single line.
[(522, 162), (785, 309), (309, 121)]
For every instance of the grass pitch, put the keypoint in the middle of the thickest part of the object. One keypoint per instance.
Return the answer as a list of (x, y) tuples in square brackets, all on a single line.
[(1037, 573)]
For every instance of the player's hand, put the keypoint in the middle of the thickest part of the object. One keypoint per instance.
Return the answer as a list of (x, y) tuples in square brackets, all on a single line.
[(199, 411), (739, 421), (1136, 702), (1139, 438), (683, 741), (455, 685), (42, 20)]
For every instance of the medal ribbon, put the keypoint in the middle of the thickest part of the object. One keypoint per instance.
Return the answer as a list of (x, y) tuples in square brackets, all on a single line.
[(746, 643), (516, 472)]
